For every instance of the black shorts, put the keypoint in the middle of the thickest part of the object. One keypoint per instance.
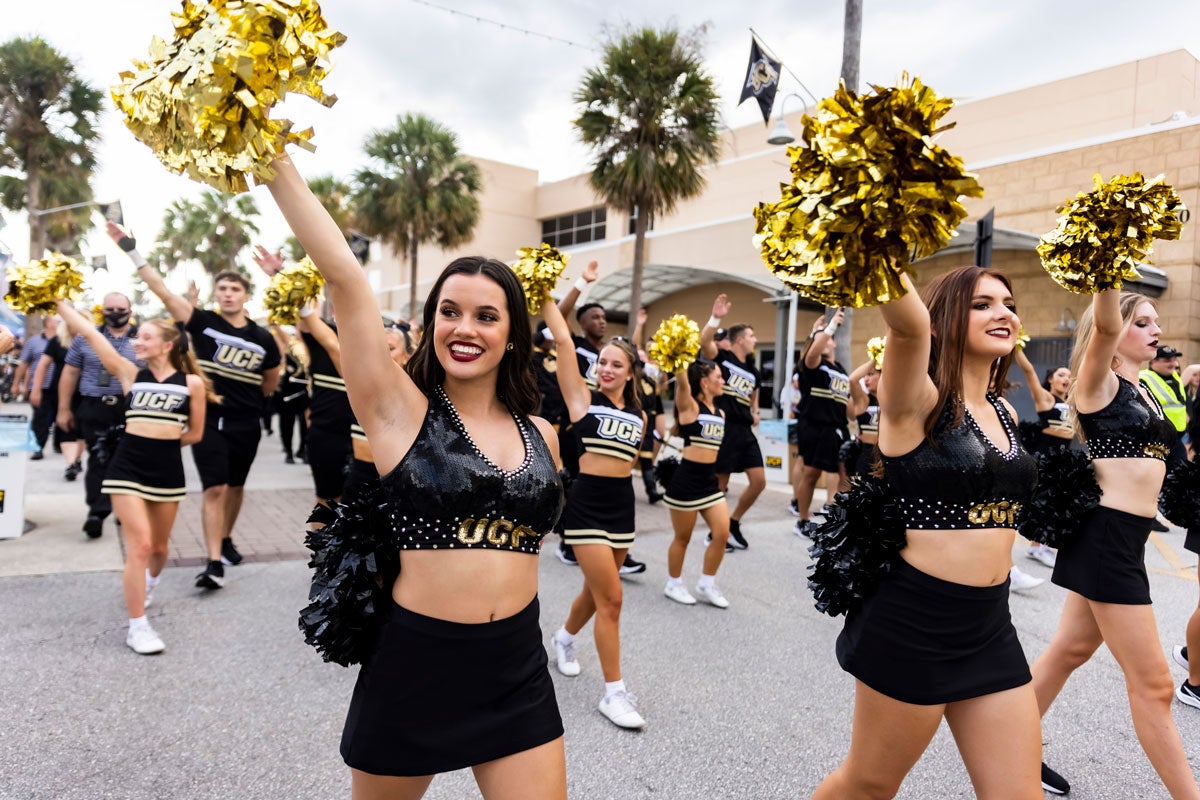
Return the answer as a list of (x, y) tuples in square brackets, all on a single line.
[(739, 450), (819, 446), (437, 696), (922, 640), (223, 457), (329, 454), (1106, 561), (599, 511), (151, 469), (693, 487)]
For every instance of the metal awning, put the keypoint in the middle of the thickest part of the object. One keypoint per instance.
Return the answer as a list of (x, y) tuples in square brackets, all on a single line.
[(660, 280), (1002, 239)]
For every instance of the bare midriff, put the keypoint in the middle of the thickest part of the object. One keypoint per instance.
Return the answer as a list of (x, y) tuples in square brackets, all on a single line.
[(974, 557), (466, 586), (1130, 484), (605, 466), (701, 455), (154, 430)]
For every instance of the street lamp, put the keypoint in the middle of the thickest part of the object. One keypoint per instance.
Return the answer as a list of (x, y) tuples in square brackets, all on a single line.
[(782, 134)]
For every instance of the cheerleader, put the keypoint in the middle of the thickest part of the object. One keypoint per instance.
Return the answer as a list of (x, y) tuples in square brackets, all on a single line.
[(456, 676), (864, 407), (935, 639), (693, 488), (164, 411), (1055, 428), (598, 522), (1128, 438)]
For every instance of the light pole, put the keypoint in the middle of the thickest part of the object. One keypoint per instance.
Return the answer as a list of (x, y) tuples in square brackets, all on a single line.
[(782, 134)]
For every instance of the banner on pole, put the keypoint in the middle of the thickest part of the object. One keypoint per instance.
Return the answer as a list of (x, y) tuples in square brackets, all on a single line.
[(762, 80)]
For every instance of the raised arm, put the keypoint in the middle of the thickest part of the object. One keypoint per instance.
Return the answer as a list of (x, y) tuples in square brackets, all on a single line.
[(906, 392), (1095, 384), (685, 404), (317, 328), (639, 329), (382, 395), (859, 400), (590, 273), (1042, 399), (125, 370), (708, 347), (575, 392), (821, 335), (177, 306)]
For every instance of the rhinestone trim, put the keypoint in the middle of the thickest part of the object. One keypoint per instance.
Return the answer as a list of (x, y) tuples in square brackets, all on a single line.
[(522, 426)]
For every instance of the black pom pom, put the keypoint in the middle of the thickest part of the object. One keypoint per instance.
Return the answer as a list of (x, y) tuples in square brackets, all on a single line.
[(857, 544), (849, 452), (1180, 497), (355, 561), (1031, 436), (105, 446), (664, 470), (1065, 493)]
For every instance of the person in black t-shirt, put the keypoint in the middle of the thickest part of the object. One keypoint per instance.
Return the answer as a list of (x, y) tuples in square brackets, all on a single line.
[(739, 449), (242, 361), (67, 441), (545, 370)]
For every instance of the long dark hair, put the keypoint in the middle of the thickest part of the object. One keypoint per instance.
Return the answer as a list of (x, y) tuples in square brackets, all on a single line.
[(697, 371), (948, 298), (515, 385)]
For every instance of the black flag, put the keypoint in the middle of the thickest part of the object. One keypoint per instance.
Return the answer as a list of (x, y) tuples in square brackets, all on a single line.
[(762, 79), (361, 247), (112, 212)]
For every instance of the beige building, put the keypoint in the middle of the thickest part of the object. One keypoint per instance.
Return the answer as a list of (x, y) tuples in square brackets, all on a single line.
[(1031, 148)]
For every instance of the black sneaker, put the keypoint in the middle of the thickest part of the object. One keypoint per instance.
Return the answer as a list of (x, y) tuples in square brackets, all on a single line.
[(230, 556), (93, 526), (631, 567), (708, 540), (213, 576), (793, 507), (37, 455), (1054, 783), (566, 554), (72, 471), (735, 535), (287, 458), (1188, 694)]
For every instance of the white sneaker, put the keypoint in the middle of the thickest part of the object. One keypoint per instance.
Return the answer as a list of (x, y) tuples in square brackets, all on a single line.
[(679, 593), (1020, 581), (621, 710), (712, 595), (1043, 555), (1180, 655), (144, 641), (564, 657)]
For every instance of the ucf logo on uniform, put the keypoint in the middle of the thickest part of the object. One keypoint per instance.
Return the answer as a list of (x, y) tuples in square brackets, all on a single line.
[(238, 358), (156, 401), (620, 430)]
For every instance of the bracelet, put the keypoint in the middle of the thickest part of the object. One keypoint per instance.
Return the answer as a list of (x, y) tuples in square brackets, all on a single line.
[(713, 322), (306, 312), (581, 284), (830, 330), (137, 258), (126, 243)]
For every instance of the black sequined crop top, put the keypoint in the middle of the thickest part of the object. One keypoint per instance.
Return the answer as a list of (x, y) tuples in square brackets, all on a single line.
[(960, 479), (1128, 427), (707, 431), (610, 431), (446, 494)]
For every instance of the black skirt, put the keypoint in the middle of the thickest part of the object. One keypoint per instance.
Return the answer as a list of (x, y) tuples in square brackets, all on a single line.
[(599, 511), (151, 469), (1192, 541), (1106, 561), (437, 696), (693, 487), (922, 640)]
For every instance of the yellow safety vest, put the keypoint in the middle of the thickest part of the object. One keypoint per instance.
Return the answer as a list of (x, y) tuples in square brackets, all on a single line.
[(1172, 406)]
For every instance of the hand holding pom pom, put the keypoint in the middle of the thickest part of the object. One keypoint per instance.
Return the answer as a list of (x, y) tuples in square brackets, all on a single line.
[(538, 269), (292, 288), (675, 345), (875, 348), (38, 287)]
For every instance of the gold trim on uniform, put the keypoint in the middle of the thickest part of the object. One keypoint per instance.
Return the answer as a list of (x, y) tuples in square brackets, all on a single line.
[(608, 447), (617, 541), (152, 493), (329, 382), (694, 505), (226, 372)]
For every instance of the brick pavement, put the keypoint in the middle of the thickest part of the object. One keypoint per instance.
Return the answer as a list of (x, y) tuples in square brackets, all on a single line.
[(269, 528)]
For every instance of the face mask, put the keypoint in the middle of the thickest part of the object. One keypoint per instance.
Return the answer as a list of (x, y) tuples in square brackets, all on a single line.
[(117, 319)]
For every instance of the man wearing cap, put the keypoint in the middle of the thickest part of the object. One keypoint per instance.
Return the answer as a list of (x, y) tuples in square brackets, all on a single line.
[(1162, 380)]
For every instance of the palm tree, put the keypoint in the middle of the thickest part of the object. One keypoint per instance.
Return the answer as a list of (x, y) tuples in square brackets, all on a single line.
[(649, 113), (213, 231), (48, 118), (418, 189), (334, 195)]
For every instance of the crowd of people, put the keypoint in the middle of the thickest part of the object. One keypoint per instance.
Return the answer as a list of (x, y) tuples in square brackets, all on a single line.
[(482, 434)]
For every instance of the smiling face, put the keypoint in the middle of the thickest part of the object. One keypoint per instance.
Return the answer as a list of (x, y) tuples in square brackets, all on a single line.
[(471, 326), (149, 343), (1140, 342), (992, 324), (613, 369)]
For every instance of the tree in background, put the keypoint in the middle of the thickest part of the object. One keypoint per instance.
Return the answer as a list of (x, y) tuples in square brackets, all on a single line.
[(48, 118), (335, 195), (214, 231), (418, 189), (649, 114)]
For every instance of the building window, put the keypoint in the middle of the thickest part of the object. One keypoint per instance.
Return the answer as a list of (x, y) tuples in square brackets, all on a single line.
[(578, 228), (633, 223)]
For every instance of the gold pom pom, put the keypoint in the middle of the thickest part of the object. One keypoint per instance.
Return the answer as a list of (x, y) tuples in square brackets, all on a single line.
[(1022, 338), (869, 192), (98, 314), (875, 348), (1103, 235), (202, 101), (538, 269), (675, 345), (290, 290), (36, 287)]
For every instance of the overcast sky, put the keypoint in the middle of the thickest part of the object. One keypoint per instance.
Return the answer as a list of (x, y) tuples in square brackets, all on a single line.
[(508, 95)]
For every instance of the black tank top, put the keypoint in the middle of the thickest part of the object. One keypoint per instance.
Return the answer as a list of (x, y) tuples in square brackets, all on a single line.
[(445, 494), (868, 421), (1055, 416), (610, 431), (165, 402), (958, 478), (707, 431), (1128, 427)]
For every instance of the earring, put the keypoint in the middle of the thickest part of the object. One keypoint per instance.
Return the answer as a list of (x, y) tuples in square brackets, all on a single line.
[(510, 346)]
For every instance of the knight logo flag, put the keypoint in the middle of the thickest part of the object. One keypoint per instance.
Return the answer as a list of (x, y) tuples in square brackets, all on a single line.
[(762, 79)]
